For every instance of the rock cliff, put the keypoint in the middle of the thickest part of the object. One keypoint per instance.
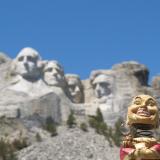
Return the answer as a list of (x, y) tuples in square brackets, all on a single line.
[(33, 89)]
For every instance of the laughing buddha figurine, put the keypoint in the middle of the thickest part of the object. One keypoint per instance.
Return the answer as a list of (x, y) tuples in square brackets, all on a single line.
[(142, 119)]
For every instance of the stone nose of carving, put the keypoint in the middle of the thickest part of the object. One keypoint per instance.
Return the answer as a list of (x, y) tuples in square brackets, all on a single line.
[(25, 60), (54, 72), (97, 86), (77, 89)]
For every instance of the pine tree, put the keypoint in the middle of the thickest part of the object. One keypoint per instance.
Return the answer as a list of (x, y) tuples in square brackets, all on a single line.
[(84, 126), (71, 121), (117, 135), (50, 126), (99, 116)]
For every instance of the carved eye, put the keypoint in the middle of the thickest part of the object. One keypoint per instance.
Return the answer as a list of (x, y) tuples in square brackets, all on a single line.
[(20, 58), (104, 84), (72, 87), (151, 102), (138, 101), (49, 69), (31, 59)]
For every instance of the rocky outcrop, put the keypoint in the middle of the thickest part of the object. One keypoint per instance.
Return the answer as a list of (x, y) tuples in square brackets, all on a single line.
[(33, 89), (71, 144), (25, 94), (156, 83), (4, 58), (138, 70), (5, 63), (22, 97), (130, 79)]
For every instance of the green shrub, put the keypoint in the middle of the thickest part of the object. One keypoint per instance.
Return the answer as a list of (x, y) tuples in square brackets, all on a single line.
[(102, 128), (92, 122), (71, 121), (6, 151), (111, 134), (11, 156), (51, 126), (38, 137), (117, 135), (97, 122), (84, 127), (19, 144), (99, 116), (110, 131)]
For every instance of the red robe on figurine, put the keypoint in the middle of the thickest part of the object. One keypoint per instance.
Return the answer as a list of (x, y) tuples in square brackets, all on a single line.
[(126, 153)]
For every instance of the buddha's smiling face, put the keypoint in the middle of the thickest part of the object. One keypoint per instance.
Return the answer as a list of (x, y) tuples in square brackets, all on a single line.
[(143, 110)]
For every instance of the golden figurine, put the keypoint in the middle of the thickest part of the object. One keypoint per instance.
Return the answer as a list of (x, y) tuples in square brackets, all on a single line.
[(142, 119)]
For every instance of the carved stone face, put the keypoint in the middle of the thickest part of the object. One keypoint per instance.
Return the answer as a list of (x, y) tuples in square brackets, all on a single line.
[(54, 74), (143, 110), (74, 88), (102, 85), (26, 63)]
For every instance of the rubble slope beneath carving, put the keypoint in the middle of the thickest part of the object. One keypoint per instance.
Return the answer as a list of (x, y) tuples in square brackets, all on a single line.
[(71, 144)]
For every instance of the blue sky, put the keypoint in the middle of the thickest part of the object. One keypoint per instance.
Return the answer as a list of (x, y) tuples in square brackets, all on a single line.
[(84, 35)]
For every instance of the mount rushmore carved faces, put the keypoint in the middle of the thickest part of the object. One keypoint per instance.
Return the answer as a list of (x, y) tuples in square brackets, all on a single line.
[(54, 74), (75, 88), (26, 64), (102, 85), (26, 73)]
